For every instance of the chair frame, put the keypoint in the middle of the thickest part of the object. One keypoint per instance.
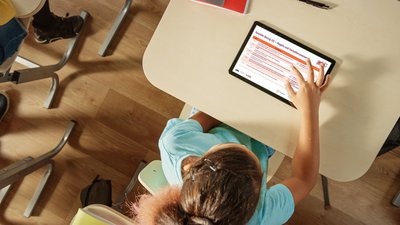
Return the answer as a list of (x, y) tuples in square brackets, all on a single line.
[(104, 48), (36, 72), (18, 170), (28, 165), (396, 199)]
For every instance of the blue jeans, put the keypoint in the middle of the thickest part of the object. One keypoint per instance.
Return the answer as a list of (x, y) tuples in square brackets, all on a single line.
[(11, 36)]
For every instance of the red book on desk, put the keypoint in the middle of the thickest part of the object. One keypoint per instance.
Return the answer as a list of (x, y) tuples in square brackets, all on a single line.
[(233, 5)]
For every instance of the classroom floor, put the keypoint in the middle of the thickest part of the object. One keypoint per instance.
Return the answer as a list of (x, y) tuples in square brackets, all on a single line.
[(121, 115)]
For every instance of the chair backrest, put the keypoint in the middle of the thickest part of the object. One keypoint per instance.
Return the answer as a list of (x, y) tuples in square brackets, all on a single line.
[(152, 177), (97, 214)]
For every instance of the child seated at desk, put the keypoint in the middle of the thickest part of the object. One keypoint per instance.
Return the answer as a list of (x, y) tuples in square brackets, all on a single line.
[(218, 174)]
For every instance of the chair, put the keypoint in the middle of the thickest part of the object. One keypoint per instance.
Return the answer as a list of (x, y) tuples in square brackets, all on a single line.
[(103, 50), (396, 200), (97, 214), (18, 170), (152, 177), (34, 71), (28, 165)]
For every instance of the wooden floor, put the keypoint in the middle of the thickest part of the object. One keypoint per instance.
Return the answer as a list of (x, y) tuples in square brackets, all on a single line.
[(121, 115), (364, 201)]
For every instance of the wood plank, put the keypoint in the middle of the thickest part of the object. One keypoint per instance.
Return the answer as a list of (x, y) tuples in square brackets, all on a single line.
[(132, 119), (367, 199)]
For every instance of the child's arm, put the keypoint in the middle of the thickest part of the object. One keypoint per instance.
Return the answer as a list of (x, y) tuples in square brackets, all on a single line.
[(207, 122), (305, 163)]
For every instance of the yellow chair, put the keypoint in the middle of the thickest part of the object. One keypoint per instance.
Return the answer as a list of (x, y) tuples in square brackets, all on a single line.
[(97, 214)]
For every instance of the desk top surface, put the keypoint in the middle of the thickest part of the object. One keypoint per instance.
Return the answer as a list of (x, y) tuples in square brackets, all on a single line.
[(194, 45)]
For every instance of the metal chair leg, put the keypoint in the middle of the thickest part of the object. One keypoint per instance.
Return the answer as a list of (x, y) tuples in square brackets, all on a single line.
[(327, 204), (36, 72), (121, 199), (396, 200), (20, 169), (39, 189), (117, 23), (3, 193), (52, 92)]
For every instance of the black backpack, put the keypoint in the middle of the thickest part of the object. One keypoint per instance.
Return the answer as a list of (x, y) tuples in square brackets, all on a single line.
[(99, 192)]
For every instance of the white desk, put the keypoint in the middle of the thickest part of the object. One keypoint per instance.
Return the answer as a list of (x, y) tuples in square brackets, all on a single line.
[(194, 45)]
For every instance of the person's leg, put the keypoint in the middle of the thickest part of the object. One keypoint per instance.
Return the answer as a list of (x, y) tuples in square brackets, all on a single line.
[(4, 103), (41, 18), (49, 27)]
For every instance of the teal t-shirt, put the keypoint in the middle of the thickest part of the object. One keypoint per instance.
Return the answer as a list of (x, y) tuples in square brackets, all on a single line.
[(183, 138)]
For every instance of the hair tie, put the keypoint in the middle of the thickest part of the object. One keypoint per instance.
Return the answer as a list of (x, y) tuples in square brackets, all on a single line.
[(210, 164), (201, 220)]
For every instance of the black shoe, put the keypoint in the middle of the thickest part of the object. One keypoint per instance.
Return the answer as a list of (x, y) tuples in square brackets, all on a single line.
[(60, 28), (4, 103)]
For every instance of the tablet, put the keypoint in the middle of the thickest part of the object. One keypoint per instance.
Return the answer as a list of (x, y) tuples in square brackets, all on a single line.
[(265, 58)]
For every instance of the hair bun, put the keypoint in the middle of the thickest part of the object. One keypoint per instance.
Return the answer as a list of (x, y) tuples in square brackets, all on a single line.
[(200, 220)]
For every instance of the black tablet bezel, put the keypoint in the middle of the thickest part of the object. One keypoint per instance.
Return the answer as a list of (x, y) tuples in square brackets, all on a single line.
[(257, 23)]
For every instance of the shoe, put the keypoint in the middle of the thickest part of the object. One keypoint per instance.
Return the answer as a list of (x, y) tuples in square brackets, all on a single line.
[(60, 28), (4, 104)]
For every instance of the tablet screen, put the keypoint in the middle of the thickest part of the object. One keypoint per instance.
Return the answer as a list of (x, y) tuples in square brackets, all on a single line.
[(265, 58)]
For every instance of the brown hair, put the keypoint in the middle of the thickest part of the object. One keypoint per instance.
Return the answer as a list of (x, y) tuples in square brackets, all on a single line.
[(159, 209), (221, 188)]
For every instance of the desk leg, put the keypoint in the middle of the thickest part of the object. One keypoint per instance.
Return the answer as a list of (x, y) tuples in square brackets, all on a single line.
[(110, 36), (327, 204)]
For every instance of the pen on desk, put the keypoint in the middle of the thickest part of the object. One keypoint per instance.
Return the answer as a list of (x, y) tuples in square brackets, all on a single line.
[(316, 4)]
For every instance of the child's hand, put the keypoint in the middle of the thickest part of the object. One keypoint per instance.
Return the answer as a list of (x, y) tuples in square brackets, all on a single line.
[(307, 98)]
